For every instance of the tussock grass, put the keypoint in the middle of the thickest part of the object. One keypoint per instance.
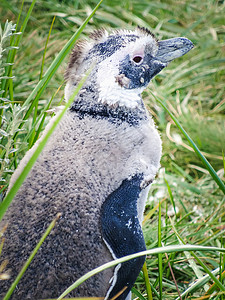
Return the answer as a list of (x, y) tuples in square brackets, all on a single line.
[(192, 206)]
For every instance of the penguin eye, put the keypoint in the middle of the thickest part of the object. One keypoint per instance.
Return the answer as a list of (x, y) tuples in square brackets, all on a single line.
[(137, 59)]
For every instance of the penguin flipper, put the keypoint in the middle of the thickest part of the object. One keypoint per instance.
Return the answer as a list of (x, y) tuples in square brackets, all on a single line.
[(123, 235)]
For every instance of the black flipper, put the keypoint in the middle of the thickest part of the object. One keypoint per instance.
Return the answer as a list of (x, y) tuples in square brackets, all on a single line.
[(122, 233)]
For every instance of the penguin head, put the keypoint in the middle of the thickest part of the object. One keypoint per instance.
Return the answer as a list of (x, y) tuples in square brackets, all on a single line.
[(124, 63)]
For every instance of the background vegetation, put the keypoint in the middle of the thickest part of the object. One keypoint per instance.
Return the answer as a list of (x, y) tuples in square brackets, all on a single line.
[(193, 89)]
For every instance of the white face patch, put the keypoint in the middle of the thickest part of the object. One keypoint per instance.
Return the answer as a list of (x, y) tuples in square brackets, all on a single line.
[(111, 90)]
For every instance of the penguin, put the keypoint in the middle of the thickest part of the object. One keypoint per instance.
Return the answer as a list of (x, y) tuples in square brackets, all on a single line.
[(96, 171)]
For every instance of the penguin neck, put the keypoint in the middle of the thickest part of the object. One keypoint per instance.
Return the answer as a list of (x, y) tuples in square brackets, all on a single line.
[(87, 103)]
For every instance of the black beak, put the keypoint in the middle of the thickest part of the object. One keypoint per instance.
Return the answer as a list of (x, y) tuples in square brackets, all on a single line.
[(173, 48)]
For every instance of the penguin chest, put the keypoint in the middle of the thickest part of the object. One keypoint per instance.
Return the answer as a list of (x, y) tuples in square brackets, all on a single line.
[(139, 150), (142, 148), (108, 152)]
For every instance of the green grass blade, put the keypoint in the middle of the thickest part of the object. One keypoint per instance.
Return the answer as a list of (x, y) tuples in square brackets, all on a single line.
[(156, 251), (138, 294), (12, 192), (154, 291), (3, 82), (171, 197), (12, 53), (32, 138), (217, 282), (198, 284), (213, 287), (33, 122), (147, 283), (160, 255), (42, 117), (223, 162), (46, 44), (213, 277), (193, 145), (1, 244), (26, 265)]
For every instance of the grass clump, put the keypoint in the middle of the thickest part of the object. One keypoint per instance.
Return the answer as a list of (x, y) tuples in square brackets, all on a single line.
[(192, 88)]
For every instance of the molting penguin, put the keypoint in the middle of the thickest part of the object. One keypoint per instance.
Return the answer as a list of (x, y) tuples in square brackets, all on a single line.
[(96, 171)]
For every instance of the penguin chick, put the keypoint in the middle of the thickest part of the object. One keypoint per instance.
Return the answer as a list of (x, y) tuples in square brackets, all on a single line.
[(96, 171)]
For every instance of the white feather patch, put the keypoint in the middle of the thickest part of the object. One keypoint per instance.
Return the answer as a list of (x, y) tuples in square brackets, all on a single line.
[(114, 278), (110, 91)]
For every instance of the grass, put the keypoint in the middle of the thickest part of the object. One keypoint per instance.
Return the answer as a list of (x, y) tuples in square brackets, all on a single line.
[(192, 206)]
